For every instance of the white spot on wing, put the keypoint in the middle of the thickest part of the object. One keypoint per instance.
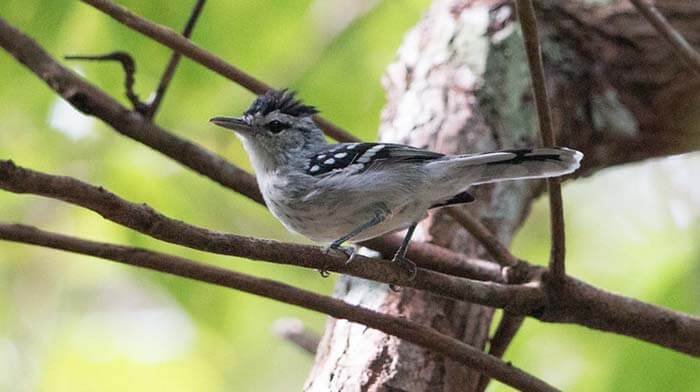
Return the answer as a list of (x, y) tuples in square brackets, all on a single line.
[(321, 156), (376, 148), (329, 161), (341, 155), (314, 168)]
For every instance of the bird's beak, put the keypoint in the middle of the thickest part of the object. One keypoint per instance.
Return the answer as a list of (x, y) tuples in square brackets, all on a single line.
[(237, 124)]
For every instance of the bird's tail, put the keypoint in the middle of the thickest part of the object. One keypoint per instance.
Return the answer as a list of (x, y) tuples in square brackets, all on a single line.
[(507, 165)]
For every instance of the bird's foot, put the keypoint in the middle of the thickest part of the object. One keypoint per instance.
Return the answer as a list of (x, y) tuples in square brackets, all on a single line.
[(349, 252)]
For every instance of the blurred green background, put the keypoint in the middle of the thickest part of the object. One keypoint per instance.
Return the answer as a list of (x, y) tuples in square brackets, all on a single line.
[(73, 323)]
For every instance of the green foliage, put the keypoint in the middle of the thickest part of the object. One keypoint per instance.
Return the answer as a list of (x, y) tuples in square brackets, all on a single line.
[(72, 323)]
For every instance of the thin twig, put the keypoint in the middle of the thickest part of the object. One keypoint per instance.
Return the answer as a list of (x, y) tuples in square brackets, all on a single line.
[(482, 233), (294, 331), (515, 271), (152, 108), (504, 334), (400, 327), (183, 46), (90, 100), (140, 217), (507, 328), (680, 46), (129, 66), (528, 23)]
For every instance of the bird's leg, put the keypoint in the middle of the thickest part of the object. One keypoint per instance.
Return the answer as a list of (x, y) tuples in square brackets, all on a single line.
[(400, 256), (379, 215)]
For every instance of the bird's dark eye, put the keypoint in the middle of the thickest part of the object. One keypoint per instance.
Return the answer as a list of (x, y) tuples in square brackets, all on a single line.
[(277, 126)]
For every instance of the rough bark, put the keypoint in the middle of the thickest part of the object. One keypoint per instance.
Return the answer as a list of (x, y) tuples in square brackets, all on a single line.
[(460, 84)]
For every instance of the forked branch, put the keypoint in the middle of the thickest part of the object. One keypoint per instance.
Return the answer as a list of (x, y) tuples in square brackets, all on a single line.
[(129, 66), (169, 72)]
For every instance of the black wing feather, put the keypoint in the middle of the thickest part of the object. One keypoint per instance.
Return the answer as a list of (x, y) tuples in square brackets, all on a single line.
[(358, 157)]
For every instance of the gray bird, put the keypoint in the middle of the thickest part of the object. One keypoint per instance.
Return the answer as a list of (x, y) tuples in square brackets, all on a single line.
[(350, 192)]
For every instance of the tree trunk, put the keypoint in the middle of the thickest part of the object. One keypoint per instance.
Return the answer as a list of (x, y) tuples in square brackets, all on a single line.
[(461, 84)]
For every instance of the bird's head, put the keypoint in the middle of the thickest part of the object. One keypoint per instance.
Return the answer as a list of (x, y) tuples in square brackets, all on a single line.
[(276, 128)]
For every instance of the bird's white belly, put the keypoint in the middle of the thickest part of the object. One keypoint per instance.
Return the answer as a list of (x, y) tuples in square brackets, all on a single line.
[(326, 217), (327, 226)]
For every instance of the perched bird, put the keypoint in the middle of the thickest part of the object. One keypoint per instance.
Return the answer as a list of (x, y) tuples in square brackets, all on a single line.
[(350, 192)]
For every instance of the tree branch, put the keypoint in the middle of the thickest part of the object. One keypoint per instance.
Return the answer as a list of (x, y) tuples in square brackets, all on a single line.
[(528, 24), (142, 218), (437, 258), (152, 108), (515, 270), (498, 251), (598, 309), (401, 328), (129, 66), (182, 45), (679, 45), (507, 328)]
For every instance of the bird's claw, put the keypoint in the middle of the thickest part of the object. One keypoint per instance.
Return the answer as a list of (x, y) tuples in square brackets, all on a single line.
[(351, 256), (349, 252)]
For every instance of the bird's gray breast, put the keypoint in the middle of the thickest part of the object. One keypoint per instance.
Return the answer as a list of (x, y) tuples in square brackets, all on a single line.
[(285, 198), (328, 208)]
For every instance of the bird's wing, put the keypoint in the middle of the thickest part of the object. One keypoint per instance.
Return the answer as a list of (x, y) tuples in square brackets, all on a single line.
[(354, 158)]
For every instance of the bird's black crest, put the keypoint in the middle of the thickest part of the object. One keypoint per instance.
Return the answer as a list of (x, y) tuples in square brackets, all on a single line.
[(282, 100)]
